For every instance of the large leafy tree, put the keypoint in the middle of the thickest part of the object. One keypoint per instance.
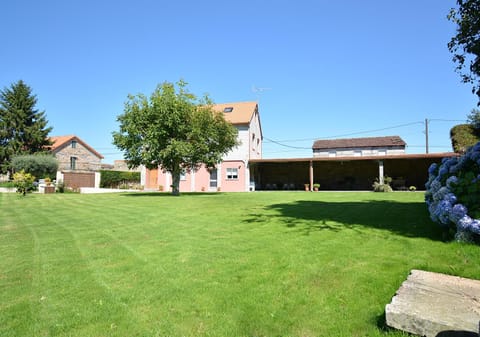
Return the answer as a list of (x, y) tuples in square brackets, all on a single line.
[(173, 130), (465, 45), (23, 128), (474, 119)]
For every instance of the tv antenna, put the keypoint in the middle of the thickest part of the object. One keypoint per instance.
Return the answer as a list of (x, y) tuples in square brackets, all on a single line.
[(258, 91)]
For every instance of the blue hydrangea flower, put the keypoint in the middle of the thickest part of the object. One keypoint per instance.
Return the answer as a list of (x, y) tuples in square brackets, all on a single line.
[(476, 147), (454, 169), (443, 211), (458, 212), (451, 198), (475, 226), (452, 181), (443, 171), (464, 223), (433, 168), (441, 193), (442, 203), (475, 155), (435, 186)]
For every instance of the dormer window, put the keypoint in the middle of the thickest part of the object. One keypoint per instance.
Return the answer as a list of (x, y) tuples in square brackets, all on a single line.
[(228, 109)]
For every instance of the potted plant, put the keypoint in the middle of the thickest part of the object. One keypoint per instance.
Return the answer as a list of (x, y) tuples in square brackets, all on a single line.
[(307, 187), (316, 187)]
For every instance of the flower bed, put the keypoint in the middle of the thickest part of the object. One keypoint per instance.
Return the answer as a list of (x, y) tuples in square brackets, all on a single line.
[(453, 194)]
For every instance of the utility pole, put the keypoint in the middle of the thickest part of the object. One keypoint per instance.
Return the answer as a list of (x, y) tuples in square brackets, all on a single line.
[(426, 135)]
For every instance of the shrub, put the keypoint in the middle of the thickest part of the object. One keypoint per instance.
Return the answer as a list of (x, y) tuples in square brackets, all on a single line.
[(115, 179), (377, 187), (463, 136), (23, 182), (7, 184), (453, 194), (385, 187), (38, 165)]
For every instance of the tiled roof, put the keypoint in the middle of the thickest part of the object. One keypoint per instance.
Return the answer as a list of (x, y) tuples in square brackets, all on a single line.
[(360, 158), (369, 142), (59, 142), (241, 112)]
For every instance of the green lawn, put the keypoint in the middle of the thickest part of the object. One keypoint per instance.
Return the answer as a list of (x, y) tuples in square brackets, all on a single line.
[(239, 264)]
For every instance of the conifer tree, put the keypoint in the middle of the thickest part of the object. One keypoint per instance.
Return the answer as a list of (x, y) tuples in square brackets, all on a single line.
[(23, 128)]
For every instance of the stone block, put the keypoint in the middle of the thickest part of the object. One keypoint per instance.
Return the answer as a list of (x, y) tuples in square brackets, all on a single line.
[(436, 305)]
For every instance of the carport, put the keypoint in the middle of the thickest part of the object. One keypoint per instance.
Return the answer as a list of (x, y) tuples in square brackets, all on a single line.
[(343, 173)]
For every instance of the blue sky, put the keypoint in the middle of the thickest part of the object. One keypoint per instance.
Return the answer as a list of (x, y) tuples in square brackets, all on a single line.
[(330, 68)]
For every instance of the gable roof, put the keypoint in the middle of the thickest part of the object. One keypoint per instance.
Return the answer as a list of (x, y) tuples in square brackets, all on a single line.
[(59, 142), (241, 112), (369, 142)]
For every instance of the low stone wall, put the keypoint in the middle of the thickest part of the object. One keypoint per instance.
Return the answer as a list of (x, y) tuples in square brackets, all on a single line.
[(7, 190)]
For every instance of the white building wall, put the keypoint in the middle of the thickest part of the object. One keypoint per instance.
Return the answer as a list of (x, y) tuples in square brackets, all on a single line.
[(255, 138), (241, 151), (348, 152)]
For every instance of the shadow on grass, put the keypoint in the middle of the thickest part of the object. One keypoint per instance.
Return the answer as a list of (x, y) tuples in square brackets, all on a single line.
[(410, 219)]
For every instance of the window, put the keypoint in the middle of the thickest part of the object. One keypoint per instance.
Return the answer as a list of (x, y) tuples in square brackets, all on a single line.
[(74, 144), (232, 173), (213, 178), (73, 163), (183, 175), (228, 109)]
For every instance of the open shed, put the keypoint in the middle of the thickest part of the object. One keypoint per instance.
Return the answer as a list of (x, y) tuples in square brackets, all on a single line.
[(343, 173)]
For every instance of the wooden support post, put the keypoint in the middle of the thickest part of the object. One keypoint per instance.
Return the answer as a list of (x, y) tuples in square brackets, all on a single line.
[(311, 175)]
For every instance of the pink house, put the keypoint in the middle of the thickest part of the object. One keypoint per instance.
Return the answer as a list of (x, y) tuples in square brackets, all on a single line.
[(233, 173)]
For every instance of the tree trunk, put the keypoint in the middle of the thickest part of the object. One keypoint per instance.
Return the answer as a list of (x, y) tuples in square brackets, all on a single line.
[(176, 183)]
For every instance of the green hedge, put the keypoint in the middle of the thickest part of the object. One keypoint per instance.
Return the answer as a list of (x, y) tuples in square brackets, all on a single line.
[(115, 179), (39, 165), (463, 136)]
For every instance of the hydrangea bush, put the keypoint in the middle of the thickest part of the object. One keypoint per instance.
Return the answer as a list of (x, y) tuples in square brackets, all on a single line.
[(453, 194)]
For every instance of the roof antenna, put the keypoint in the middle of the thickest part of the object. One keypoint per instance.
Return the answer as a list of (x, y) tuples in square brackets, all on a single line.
[(259, 91)]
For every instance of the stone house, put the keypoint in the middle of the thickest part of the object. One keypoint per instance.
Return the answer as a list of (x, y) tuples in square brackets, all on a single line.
[(78, 162)]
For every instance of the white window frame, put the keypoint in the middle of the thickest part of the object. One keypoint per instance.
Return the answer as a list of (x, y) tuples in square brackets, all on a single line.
[(232, 173)]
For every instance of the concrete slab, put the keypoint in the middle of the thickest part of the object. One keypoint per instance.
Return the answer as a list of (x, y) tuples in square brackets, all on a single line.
[(432, 305)]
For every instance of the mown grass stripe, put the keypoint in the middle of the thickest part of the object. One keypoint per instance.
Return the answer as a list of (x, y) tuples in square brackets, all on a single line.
[(240, 264)]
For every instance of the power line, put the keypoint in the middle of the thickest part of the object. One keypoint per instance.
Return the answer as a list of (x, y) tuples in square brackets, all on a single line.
[(289, 146), (346, 134), (447, 120)]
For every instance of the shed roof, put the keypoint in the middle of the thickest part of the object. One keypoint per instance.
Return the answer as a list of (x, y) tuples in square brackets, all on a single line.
[(369, 142), (438, 155)]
